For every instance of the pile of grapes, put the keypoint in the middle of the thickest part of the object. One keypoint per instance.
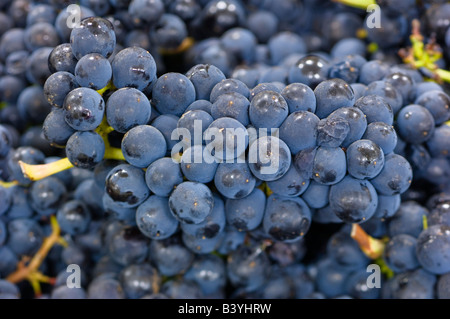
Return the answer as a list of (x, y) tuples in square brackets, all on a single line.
[(274, 149)]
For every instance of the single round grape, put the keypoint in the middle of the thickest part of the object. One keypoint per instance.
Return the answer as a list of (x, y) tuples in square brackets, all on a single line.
[(198, 165), (269, 158), (93, 70), (154, 218), (329, 165), (353, 200), (191, 202), (204, 77), (85, 149), (268, 103), (246, 214), (415, 124), (395, 177), (93, 35), (125, 184), (376, 109), (234, 180), (383, 135), (332, 95), (73, 217), (299, 131), (432, 249), (163, 176), (285, 218), (133, 67), (46, 195), (142, 145), (365, 159), (173, 93), (58, 86), (127, 108), (310, 70), (400, 253), (84, 109)]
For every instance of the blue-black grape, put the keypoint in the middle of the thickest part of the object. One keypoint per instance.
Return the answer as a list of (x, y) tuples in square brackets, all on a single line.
[(234, 105), (93, 70), (229, 86), (286, 219), (299, 131), (432, 247), (264, 103), (163, 176), (191, 202), (166, 124), (128, 246), (73, 217), (383, 135), (105, 287), (138, 280), (269, 158), (46, 195), (415, 284), (408, 219), (365, 159), (57, 86), (192, 125), (125, 184), (310, 70), (316, 195), (329, 165), (353, 200), (41, 34), (248, 267), (146, 12), (387, 91), (84, 109), (170, 256), (358, 288), (226, 139), (85, 149), (204, 77), (133, 67), (356, 120), (395, 176), (173, 93), (415, 124), (400, 253), (25, 236), (142, 154), (331, 95), (246, 213), (62, 59), (388, 206), (376, 109), (209, 273), (291, 184), (154, 218), (344, 251), (234, 180), (206, 234), (331, 278), (198, 165), (93, 35)]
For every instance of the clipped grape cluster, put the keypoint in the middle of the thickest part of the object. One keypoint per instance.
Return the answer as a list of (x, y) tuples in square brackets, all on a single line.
[(224, 149)]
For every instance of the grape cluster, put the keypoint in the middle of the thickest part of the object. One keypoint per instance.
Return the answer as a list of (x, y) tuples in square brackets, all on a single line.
[(224, 149)]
